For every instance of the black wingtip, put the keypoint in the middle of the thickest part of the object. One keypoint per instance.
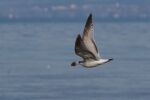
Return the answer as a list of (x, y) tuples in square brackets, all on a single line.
[(79, 36), (88, 23), (90, 16), (111, 59)]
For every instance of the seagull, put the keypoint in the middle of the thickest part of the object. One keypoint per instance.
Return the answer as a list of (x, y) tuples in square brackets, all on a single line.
[(86, 48)]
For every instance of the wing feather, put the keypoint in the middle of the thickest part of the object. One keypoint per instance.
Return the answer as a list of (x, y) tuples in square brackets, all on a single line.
[(88, 38), (81, 50)]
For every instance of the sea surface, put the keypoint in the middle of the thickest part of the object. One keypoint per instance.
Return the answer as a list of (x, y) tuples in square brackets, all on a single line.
[(35, 62)]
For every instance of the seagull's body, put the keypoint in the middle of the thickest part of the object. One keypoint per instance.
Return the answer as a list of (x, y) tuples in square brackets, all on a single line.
[(85, 47)]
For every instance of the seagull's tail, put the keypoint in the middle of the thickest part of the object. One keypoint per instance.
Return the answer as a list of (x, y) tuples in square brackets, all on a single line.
[(74, 63)]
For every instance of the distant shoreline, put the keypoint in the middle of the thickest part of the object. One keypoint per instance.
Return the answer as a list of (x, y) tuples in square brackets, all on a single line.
[(34, 20)]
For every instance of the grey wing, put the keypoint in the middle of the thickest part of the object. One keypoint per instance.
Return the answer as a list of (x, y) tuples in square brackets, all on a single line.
[(88, 38), (82, 51)]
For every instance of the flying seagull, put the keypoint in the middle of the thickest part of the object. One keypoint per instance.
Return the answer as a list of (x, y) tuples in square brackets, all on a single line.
[(85, 47)]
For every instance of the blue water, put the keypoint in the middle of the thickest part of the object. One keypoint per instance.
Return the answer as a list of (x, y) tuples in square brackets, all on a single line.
[(35, 62)]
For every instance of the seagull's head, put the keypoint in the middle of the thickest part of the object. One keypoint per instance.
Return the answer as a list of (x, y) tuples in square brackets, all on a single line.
[(73, 64)]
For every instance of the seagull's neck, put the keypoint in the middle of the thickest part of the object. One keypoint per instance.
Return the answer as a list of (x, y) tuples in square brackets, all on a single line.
[(80, 62)]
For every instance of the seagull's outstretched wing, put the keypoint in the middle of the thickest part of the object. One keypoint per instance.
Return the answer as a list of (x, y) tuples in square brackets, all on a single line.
[(88, 38), (82, 51)]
